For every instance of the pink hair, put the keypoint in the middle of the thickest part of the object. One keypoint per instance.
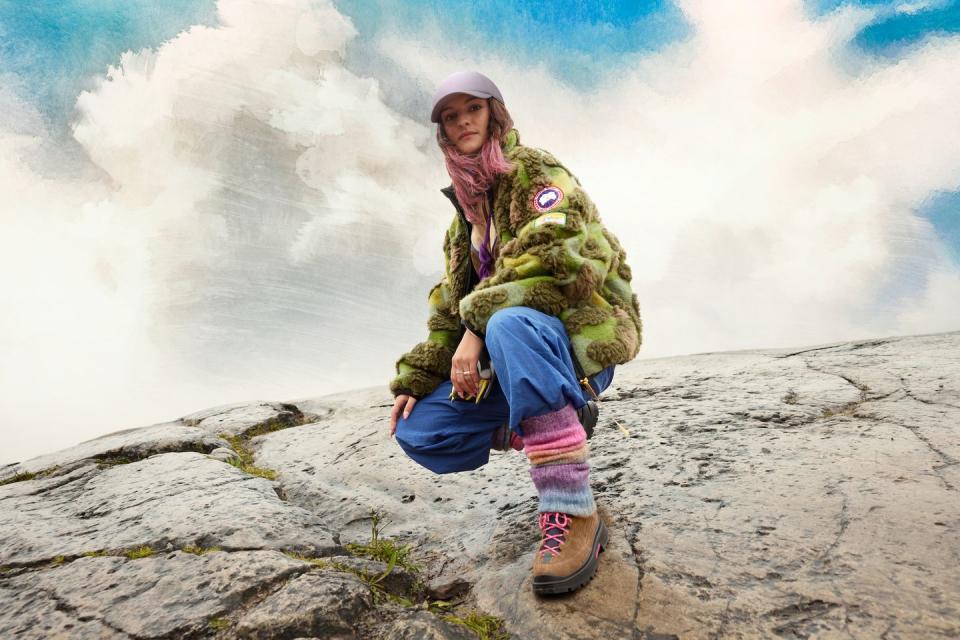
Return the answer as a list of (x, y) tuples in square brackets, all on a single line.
[(472, 175)]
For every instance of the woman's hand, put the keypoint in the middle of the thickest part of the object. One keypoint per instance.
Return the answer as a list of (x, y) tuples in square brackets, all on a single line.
[(402, 403), (464, 374)]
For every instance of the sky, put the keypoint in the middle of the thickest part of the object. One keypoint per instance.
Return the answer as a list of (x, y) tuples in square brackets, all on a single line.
[(214, 202)]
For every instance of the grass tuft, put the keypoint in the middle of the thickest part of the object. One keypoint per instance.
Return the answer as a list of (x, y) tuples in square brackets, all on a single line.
[(142, 552), (486, 627), (385, 550), (199, 551)]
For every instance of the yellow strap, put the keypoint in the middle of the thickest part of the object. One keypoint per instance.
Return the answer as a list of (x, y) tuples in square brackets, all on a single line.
[(586, 384)]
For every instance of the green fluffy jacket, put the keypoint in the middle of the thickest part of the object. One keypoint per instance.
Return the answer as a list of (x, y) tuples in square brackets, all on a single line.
[(554, 256)]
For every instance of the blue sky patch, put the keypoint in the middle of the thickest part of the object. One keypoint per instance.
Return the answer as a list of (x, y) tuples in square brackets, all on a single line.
[(580, 42), (54, 48), (943, 212), (897, 28)]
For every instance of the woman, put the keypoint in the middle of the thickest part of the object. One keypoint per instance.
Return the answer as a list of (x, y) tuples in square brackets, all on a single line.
[(534, 280)]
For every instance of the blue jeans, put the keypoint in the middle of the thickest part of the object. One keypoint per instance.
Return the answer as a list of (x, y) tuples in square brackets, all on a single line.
[(530, 352)]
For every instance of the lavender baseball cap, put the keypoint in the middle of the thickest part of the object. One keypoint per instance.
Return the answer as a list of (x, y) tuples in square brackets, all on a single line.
[(473, 83)]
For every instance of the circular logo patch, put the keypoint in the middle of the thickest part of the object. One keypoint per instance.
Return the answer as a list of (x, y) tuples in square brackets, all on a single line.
[(547, 198)]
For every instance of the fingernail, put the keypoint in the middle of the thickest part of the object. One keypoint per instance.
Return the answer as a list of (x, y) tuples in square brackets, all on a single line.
[(406, 415)]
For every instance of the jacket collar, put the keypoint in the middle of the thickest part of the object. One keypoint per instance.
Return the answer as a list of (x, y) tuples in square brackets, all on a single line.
[(511, 140)]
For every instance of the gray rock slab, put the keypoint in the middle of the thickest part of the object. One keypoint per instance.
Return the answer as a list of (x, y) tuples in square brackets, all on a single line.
[(346, 465), (769, 493), (323, 604), (796, 493), (395, 580), (170, 595), (174, 499), (132, 444), (30, 613), (236, 419), (420, 625)]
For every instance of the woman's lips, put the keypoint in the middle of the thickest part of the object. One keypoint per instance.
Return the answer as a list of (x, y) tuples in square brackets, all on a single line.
[(471, 133)]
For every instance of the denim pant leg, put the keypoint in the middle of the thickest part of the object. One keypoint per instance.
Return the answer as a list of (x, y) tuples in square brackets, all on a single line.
[(531, 355), (447, 435)]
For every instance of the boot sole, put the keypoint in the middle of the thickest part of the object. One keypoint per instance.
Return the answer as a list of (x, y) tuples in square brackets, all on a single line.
[(545, 585)]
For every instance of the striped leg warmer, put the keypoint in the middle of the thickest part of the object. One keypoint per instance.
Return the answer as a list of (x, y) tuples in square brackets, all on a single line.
[(556, 445)]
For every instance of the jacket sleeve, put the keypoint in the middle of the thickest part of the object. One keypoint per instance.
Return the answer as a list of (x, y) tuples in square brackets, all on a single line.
[(427, 364), (559, 256)]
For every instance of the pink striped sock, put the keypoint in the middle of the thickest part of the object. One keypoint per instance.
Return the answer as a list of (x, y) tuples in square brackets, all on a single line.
[(556, 447)]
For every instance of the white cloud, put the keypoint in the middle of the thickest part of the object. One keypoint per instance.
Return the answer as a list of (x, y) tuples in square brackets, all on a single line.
[(763, 176), (246, 177), (912, 8)]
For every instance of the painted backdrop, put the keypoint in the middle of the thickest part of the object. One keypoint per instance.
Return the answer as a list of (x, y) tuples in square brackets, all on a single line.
[(213, 202)]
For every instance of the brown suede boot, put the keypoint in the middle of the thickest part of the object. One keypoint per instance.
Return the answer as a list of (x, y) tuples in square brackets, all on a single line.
[(568, 553)]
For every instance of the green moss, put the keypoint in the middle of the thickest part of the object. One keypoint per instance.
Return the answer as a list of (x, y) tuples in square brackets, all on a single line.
[(141, 552), (112, 461), (320, 562), (96, 554), (273, 425), (199, 551), (245, 461), (58, 560), (240, 443), (20, 477), (218, 624), (485, 627), (403, 601), (847, 410)]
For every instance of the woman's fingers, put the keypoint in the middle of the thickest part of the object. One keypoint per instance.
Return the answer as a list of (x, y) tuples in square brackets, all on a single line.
[(402, 403), (471, 381), (395, 413), (465, 383), (456, 379), (410, 402)]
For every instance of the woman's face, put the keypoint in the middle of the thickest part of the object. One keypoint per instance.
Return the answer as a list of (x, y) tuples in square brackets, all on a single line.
[(465, 121)]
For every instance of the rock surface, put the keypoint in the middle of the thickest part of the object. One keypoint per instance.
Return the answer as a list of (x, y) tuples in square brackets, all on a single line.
[(126, 445), (318, 604), (769, 493), (176, 499), (123, 594), (240, 418)]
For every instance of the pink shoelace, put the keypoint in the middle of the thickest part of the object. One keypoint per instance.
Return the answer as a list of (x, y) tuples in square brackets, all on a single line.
[(555, 526)]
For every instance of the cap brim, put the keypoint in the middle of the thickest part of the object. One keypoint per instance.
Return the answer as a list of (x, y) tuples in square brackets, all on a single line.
[(435, 115)]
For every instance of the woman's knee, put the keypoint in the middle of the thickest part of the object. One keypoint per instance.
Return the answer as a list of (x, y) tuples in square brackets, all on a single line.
[(513, 326), (513, 322), (437, 450)]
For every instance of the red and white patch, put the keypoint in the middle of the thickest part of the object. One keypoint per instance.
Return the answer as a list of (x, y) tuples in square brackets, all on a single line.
[(547, 198)]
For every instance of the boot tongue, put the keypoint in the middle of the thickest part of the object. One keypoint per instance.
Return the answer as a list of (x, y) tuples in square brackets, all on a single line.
[(552, 531)]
